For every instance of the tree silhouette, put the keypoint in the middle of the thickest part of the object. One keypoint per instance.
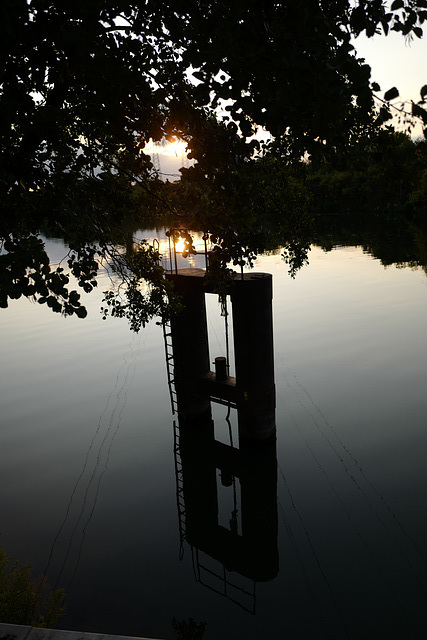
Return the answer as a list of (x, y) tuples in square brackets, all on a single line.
[(85, 85)]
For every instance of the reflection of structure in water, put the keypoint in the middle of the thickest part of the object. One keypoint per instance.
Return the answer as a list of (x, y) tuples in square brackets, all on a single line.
[(246, 544)]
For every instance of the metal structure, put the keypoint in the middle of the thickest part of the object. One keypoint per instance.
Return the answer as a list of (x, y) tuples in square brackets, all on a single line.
[(251, 467)]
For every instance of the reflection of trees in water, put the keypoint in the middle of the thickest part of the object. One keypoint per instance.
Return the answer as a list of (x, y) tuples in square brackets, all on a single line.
[(391, 239), (419, 233)]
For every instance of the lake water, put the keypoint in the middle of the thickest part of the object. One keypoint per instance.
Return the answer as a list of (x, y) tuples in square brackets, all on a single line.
[(88, 483)]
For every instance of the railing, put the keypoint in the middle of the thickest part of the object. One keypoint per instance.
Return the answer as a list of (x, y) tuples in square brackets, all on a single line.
[(226, 587)]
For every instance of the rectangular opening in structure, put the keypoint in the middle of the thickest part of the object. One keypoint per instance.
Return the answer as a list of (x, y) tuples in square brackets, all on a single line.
[(225, 424), (229, 502), (220, 330)]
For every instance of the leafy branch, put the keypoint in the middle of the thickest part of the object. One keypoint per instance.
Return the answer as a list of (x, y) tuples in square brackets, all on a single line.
[(416, 112)]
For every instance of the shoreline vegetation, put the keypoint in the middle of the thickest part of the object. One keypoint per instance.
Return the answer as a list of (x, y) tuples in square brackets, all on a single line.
[(25, 599)]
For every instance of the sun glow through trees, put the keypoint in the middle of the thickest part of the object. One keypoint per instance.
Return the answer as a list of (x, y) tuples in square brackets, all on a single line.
[(168, 156)]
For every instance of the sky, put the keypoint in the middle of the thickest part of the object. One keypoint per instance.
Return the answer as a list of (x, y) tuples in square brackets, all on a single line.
[(394, 61)]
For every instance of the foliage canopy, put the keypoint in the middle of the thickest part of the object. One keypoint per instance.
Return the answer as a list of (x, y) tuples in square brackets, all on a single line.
[(85, 85)]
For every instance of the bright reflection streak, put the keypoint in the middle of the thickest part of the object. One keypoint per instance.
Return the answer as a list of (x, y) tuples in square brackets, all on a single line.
[(180, 246), (191, 260)]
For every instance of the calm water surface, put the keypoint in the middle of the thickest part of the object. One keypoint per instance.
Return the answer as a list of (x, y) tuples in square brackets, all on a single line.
[(87, 476)]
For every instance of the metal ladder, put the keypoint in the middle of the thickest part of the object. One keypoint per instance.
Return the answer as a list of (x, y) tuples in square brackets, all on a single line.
[(170, 370), (179, 478), (170, 367)]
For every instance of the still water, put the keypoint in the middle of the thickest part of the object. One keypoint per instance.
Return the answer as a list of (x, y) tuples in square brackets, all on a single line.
[(88, 482)]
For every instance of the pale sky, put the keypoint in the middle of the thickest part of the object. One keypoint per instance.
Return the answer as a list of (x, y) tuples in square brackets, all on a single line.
[(396, 63)]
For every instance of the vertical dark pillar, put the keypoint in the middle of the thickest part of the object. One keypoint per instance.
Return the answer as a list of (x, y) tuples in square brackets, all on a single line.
[(258, 480), (251, 298), (190, 343), (199, 482)]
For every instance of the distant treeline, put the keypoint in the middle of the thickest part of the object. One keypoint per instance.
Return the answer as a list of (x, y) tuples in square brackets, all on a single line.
[(384, 174)]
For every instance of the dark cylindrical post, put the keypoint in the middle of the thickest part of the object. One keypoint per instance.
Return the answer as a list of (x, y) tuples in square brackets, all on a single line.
[(254, 357), (190, 342), (258, 481), (220, 368)]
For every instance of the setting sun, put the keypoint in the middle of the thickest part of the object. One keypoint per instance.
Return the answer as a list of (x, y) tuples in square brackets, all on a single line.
[(168, 156), (175, 147)]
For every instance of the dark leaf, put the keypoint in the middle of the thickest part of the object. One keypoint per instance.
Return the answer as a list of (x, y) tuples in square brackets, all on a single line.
[(391, 94), (81, 312), (419, 112)]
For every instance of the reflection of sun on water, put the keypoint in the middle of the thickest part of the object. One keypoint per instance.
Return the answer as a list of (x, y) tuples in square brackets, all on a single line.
[(191, 260), (179, 246)]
